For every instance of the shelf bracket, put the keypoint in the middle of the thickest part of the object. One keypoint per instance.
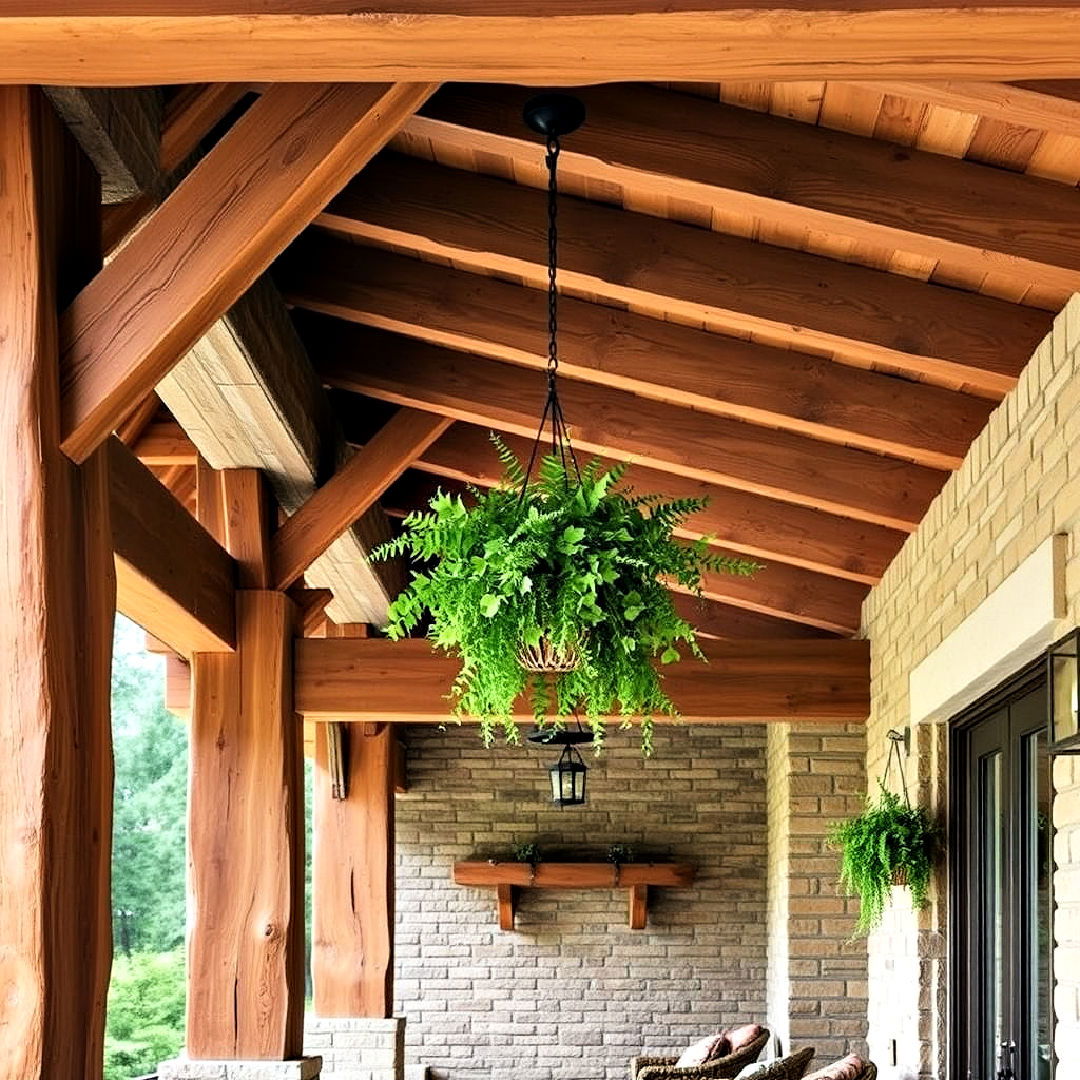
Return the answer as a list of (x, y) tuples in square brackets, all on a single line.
[(507, 897)]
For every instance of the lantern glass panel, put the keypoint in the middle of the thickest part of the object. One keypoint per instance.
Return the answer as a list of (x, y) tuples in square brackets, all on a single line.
[(1064, 672), (568, 779)]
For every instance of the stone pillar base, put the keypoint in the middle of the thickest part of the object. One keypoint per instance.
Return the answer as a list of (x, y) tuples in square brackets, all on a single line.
[(306, 1068), (360, 1048)]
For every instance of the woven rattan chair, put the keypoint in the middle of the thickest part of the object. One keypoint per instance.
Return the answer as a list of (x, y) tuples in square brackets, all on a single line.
[(721, 1068), (792, 1067)]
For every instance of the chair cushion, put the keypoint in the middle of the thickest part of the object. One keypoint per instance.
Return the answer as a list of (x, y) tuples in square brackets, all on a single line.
[(847, 1068), (741, 1036), (703, 1051), (753, 1069)]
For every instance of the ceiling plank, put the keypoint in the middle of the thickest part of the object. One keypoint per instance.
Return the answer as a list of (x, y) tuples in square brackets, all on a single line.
[(744, 681), (712, 619), (165, 442), (974, 218), (858, 315), (727, 376), (172, 577), (211, 238), (1044, 109), (248, 397), (348, 494), (761, 528), (726, 452), (569, 42)]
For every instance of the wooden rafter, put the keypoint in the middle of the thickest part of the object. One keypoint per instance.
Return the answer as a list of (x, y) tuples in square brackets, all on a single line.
[(607, 421), (164, 442), (173, 578), (712, 619), (351, 491), (678, 365), (651, 141), (672, 270), (240, 206), (568, 42), (750, 681), (248, 397)]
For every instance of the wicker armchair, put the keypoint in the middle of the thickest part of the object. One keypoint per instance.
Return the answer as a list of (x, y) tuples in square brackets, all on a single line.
[(721, 1068), (792, 1067)]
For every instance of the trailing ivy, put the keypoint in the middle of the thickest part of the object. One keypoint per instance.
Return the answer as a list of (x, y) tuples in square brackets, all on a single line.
[(888, 843), (574, 561)]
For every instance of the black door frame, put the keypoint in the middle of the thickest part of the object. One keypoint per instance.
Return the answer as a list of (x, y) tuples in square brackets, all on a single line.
[(1011, 689)]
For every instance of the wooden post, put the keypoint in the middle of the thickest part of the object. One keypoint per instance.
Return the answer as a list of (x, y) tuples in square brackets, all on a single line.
[(352, 955), (59, 593), (245, 834)]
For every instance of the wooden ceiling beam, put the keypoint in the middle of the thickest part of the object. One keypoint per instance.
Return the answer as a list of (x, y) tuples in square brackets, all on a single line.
[(348, 494), (725, 283), (764, 529), (172, 577), (133, 42), (165, 442), (609, 421), (795, 175), (712, 619), (743, 682), (784, 592), (211, 238), (678, 365)]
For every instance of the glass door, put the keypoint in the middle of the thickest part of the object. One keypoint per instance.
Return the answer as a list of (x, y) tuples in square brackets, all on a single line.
[(1001, 880)]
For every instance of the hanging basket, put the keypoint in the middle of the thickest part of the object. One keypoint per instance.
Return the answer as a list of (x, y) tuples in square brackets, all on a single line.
[(546, 658), (900, 876)]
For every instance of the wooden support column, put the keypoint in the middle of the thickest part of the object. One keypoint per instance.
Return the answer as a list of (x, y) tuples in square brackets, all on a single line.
[(352, 955), (56, 579), (245, 834)]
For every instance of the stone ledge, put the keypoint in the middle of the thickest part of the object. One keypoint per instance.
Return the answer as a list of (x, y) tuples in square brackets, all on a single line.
[(307, 1068)]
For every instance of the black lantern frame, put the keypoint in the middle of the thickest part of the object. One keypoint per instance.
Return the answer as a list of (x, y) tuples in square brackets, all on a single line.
[(568, 776), (1063, 694)]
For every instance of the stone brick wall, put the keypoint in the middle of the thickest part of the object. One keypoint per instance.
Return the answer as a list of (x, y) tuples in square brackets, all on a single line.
[(817, 976), (1019, 485), (573, 993)]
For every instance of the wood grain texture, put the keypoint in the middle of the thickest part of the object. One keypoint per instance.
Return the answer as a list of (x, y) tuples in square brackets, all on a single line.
[(211, 238), (246, 844), (569, 43), (729, 453), (728, 283), (173, 578), (976, 219), (164, 442), (352, 948), (351, 492), (766, 529), (745, 681), (658, 360), (56, 634), (191, 115), (248, 397), (574, 875), (713, 619)]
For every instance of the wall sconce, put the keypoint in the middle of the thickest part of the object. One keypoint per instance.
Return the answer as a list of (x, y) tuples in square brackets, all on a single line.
[(1062, 673)]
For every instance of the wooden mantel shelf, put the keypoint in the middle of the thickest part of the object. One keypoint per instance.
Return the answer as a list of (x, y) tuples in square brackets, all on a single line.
[(507, 877)]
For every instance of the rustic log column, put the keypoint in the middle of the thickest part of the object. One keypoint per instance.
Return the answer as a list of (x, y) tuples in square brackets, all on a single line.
[(246, 846), (352, 956), (59, 594)]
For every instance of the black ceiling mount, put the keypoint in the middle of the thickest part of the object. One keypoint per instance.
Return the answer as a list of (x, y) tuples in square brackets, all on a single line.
[(554, 115)]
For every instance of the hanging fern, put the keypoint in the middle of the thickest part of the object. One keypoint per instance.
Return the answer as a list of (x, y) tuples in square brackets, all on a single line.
[(888, 843), (570, 561)]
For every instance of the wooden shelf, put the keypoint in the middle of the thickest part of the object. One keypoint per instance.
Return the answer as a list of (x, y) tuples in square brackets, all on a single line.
[(507, 877)]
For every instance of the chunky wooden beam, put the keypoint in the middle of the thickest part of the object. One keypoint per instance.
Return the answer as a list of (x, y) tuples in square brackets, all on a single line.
[(237, 209), (652, 358), (164, 442), (798, 176), (744, 681), (248, 397), (569, 43), (131, 428), (246, 815), (173, 579), (613, 422), (726, 283), (351, 491), (352, 904), (56, 632), (765, 529), (191, 115)]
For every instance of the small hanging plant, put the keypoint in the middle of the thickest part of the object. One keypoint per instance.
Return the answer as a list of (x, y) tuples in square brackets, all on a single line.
[(889, 843), (554, 588)]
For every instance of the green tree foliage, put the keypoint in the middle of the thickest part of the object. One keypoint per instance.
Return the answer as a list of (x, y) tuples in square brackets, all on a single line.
[(573, 562), (146, 1013)]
